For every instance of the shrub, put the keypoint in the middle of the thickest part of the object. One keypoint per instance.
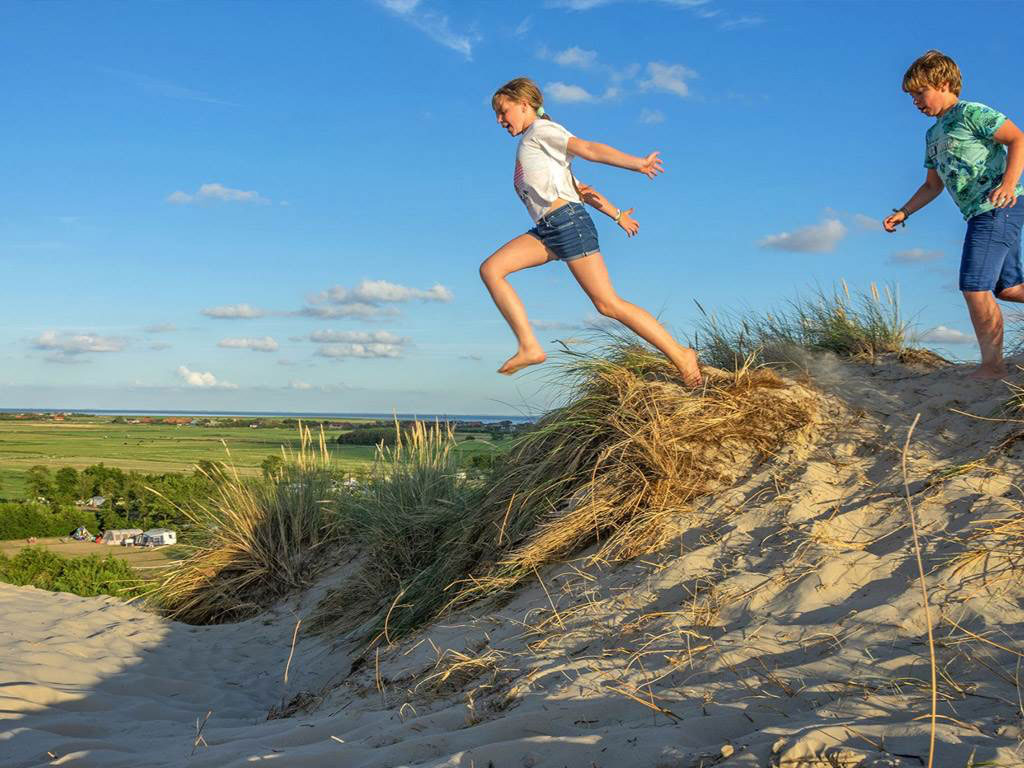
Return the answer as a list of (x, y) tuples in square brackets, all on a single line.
[(19, 520), (85, 576)]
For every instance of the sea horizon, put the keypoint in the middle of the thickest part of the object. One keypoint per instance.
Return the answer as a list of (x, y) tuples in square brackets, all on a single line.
[(486, 418)]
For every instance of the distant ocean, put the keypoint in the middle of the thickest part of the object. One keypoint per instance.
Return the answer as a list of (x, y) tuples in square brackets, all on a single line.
[(485, 418)]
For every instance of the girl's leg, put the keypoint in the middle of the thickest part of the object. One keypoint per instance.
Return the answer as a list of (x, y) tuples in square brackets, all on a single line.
[(592, 275), (520, 253)]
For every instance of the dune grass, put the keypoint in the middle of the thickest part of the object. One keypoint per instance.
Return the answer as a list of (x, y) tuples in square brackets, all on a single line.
[(858, 325), (86, 576), (257, 540), (618, 466), (417, 524)]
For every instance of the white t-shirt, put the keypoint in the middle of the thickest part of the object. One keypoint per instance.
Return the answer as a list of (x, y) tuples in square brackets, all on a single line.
[(542, 167)]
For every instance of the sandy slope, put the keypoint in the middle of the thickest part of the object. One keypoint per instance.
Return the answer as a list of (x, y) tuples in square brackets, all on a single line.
[(784, 627)]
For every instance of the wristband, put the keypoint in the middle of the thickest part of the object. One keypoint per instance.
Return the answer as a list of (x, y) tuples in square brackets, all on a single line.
[(906, 215), (618, 215)]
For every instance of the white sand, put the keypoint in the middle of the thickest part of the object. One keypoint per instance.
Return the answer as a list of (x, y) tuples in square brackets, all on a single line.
[(785, 627)]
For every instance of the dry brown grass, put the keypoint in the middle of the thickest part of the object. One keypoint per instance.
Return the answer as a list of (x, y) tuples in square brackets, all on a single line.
[(259, 541), (621, 464)]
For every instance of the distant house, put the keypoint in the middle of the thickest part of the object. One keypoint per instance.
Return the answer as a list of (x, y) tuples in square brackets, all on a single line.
[(254, 426), (96, 502)]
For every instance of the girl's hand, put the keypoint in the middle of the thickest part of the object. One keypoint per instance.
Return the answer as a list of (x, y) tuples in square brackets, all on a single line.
[(891, 222), (650, 166), (587, 192), (1003, 196), (628, 223)]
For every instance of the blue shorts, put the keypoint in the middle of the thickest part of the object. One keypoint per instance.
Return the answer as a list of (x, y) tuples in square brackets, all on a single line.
[(991, 256), (568, 232)]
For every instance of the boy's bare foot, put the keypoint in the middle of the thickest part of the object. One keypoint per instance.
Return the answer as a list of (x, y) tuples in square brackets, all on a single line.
[(687, 365), (989, 372), (522, 359)]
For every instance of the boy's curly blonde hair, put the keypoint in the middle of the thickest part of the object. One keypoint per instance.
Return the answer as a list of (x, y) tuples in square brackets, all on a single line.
[(933, 69)]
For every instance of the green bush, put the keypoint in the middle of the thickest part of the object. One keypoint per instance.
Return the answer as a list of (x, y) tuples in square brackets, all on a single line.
[(19, 520), (85, 576), (374, 436)]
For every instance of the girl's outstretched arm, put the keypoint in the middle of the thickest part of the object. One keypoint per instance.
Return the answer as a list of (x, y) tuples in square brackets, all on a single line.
[(595, 152), (594, 198)]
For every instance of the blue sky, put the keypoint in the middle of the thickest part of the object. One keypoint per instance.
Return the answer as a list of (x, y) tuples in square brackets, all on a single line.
[(283, 206)]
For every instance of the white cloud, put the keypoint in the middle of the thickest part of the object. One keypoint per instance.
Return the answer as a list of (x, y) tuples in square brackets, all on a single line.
[(266, 344), (431, 23), (867, 222), (360, 350), (668, 77), (821, 238), (296, 384), (216, 191), (202, 380), (159, 346), (524, 27), (373, 291), (940, 334), (545, 325), (234, 312), (365, 300), (161, 328), (359, 337), (915, 256), (568, 94), (651, 116), (359, 310), (743, 22), (576, 57), (71, 344)]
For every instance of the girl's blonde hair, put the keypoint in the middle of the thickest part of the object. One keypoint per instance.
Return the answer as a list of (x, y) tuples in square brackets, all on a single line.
[(933, 68), (520, 89)]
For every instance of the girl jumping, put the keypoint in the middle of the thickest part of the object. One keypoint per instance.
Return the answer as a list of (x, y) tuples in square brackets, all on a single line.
[(563, 229)]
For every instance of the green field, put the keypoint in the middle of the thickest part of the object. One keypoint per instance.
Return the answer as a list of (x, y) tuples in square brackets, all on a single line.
[(158, 448)]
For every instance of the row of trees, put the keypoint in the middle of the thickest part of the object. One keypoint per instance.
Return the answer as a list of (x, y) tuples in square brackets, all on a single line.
[(130, 498)]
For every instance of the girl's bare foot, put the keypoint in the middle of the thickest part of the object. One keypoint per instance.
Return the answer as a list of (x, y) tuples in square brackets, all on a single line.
[(988, 372), (523, 358), (687, 365)]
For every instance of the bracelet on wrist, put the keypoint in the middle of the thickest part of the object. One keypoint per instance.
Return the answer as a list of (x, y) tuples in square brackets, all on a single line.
[(618, 215), (906, 215)]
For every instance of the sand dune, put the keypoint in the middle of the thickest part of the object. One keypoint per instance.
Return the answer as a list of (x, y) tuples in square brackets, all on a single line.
[(783, 627)]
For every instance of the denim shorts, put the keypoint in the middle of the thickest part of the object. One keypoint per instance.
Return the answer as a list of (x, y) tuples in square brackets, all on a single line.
[(568, 232), (991, 256)]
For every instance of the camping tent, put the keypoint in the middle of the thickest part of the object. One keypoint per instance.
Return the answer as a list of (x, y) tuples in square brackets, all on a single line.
[(117, 535), (159, 537)]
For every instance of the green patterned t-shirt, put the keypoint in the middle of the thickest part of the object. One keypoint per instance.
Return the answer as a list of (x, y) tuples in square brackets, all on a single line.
[(970, 162)]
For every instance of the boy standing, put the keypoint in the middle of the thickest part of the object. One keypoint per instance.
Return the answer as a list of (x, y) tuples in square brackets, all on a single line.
[(966, 151)]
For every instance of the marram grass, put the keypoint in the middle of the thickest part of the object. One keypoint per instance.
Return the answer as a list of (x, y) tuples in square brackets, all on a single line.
[(258, 539), (862, 325), (618, 466)]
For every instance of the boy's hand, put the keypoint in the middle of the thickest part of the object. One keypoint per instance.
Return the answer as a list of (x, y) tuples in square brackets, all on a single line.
[(628, 223), (891, 222), (1003, 196), (650, 166)]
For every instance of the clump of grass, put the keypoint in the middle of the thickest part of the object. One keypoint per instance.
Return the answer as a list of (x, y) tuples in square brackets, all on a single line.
[(86, 576), (862, 325), (256, 540), (626, 457), (417, 521), (618, 465)]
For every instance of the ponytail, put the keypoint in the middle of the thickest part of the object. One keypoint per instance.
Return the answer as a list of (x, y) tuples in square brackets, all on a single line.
[(521, 89)]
